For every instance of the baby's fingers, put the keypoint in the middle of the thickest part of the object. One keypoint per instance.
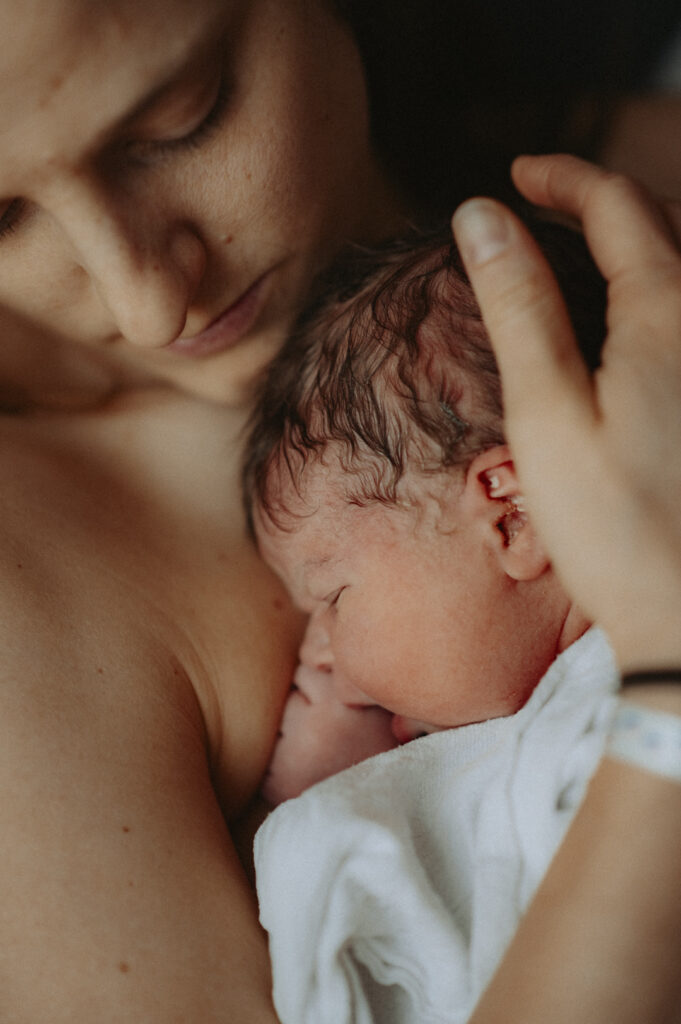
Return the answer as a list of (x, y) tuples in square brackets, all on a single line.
[(546, 385)]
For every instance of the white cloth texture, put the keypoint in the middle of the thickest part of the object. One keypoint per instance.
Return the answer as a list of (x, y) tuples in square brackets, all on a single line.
[(391, 890)]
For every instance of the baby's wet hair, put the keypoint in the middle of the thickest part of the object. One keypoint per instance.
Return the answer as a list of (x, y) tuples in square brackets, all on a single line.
[(392, 368)]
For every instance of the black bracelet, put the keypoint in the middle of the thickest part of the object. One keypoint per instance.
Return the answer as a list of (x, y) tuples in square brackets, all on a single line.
[(655, 675)]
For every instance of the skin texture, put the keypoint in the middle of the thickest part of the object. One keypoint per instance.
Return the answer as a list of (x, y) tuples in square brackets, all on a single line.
[(146, 650)]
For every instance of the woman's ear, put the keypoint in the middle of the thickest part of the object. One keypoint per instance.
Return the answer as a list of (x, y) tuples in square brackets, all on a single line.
[(493, 495)]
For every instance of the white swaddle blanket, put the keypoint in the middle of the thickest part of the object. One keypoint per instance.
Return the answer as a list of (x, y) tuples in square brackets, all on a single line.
[(390, 891)]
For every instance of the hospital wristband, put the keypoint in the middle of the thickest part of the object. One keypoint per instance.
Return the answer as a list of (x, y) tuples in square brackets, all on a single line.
[(648, 739)]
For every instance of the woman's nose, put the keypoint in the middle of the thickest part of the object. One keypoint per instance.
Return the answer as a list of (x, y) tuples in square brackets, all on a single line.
[(146, 271), (315, 650)]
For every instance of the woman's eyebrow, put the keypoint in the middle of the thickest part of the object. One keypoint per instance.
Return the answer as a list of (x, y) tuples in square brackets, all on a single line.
[(209, 39)]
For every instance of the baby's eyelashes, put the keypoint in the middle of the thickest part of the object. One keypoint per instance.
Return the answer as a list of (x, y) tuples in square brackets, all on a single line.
[(332, 599)]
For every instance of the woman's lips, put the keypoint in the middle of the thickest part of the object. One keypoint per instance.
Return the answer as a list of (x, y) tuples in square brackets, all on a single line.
[(229, 328)]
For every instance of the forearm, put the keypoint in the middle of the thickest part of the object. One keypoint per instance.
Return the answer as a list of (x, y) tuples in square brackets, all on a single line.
[(600, 942)]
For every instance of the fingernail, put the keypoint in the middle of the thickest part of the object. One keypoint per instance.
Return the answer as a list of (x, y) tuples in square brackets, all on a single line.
[(481, 230)]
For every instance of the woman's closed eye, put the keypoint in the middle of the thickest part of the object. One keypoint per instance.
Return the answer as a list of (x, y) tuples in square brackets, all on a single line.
[(147, 151), (189, 136), (11, 217)]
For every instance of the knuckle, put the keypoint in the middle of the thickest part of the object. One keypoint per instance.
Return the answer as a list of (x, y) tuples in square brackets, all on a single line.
[(626, 186), (656, 288), (616, 189)]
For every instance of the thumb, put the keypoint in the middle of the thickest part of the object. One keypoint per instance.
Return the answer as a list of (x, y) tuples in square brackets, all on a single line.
[(546, 385)]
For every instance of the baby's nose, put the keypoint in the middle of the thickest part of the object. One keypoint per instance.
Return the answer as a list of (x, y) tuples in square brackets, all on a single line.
[(315, 650)]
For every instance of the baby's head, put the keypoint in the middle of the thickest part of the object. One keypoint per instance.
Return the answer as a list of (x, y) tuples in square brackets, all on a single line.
[(381, 489)]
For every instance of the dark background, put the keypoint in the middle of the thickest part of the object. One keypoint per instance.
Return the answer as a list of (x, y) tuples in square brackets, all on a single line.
[(459, 87)]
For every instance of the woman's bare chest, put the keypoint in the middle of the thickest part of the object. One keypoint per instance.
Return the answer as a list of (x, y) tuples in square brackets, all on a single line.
[(133, 547)]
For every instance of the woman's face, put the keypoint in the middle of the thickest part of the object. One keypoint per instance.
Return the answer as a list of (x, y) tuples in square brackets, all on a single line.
[(173, 172)]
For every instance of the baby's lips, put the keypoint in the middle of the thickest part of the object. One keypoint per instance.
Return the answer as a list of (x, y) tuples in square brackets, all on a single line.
[(406, 729)]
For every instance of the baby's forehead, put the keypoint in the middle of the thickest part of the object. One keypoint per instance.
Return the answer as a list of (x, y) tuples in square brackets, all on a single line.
[(324, 496), (298, 521), (299, 488)]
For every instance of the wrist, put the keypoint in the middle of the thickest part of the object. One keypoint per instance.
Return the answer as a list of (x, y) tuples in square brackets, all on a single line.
[(658, 696), (658, 688)]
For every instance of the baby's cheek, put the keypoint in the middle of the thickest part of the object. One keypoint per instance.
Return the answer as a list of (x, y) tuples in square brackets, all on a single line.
[(370, 657)]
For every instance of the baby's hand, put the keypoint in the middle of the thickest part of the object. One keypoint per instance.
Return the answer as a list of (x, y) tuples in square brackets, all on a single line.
[(320, 736)]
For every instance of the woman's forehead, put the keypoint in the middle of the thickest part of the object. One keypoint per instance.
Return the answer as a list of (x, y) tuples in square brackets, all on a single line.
[(47, 43), (41, 28), (73, 64)]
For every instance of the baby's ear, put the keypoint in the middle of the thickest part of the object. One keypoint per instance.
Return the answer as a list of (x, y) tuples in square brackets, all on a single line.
[(493, 494)]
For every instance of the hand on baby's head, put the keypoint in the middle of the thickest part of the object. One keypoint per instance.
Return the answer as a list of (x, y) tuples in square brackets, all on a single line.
[(320, 736)]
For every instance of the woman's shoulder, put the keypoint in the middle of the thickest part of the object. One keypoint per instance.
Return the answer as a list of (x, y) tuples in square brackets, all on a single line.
[(107, 796)]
